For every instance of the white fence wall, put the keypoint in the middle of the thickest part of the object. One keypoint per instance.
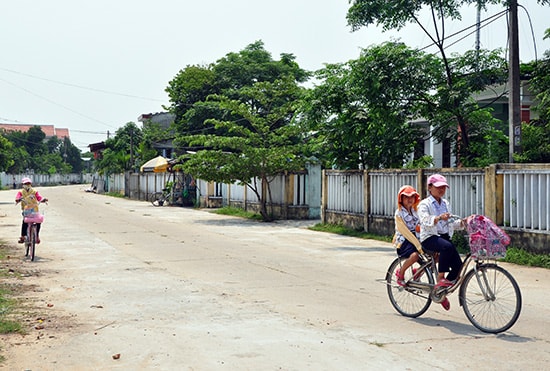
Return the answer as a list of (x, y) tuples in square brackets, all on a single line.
[(527, 199), (304, 190), (7, 180), (384, 187), (526, 196), (345, 191)]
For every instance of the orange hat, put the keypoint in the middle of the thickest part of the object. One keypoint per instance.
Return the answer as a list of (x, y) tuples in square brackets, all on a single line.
[(408, 190)]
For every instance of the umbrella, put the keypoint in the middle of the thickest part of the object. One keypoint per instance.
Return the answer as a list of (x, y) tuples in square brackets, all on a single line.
[(156, 165)]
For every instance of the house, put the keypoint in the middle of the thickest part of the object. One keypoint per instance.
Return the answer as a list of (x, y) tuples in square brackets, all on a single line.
[(496, 98), (97, 149), (49, 130), (165, 121)]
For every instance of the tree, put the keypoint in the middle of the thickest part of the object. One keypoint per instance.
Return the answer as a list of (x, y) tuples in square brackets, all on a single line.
[(238, 114), (152, 133), (31, 150), (6, 158), (535, 135), (395, 14), (472, 72), (189, 89), (362, 109), (121, 153), (264, 141), (71, 155)]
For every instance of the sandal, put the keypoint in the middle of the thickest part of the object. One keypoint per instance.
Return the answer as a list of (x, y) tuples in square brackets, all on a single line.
[(400, 279), (446, 304), (443, 283), (21, 240)]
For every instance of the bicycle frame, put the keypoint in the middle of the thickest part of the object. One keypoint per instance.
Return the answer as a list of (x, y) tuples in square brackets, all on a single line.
[(428, 265)]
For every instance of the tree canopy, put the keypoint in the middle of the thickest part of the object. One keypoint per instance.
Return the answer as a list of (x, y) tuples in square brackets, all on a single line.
[(452, 104), (362, 109), (238, 114), (31, 150)]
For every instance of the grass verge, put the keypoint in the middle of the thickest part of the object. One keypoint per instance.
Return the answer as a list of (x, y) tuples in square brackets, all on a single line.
[(235, 211), (519, 256), (7, 303), (346, 231)]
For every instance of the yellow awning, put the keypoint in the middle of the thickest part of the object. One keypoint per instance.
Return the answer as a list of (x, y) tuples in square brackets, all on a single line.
[(156, 165)]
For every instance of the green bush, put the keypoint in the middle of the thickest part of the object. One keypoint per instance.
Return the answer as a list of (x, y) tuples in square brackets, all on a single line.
[(460, 240), (519, 256)]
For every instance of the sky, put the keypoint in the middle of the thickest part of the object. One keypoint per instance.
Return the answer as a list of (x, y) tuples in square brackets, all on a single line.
[(94, 66)]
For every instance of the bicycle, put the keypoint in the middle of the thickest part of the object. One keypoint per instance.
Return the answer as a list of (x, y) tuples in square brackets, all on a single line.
[(33, 219), (488, 294), (161, 198)]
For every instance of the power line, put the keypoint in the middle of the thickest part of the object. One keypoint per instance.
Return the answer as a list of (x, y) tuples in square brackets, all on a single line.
[(488, 21), (56, 104), (81, 87)]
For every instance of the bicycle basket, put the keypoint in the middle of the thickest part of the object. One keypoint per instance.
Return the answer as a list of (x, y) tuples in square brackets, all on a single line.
[(486, 239), (34, 218)]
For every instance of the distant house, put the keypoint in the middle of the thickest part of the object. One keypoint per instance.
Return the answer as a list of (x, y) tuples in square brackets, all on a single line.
[(497, 99), (49, 130), (97, 149), (164, 120)]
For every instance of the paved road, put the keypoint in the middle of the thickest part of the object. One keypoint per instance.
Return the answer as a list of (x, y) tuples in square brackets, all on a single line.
[(183, 289)]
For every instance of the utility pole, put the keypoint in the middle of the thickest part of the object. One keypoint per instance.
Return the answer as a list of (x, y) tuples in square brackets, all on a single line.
[(478, 35), (132, 149), (514, 104)]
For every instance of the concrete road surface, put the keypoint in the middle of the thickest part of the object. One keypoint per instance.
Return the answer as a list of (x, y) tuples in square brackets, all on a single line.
[(123, 285)]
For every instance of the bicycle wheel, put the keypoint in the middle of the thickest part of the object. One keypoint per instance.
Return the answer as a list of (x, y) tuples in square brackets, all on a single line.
[(32, 241), (490, 298), (408, 301), (157, 198)]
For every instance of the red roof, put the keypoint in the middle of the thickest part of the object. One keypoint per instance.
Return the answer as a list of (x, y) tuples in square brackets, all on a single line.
[(49, 130)]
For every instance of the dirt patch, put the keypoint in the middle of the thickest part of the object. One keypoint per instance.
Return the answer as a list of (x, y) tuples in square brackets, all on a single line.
[(39, 319)]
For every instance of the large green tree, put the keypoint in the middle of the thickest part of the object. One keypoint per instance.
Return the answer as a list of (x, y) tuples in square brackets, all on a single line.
[(238, 115), (452, 94), (189, 89), (263, 142), (362, 109)]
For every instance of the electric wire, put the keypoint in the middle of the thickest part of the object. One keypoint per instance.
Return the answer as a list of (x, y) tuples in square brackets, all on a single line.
[(81, 86), (56, 104)]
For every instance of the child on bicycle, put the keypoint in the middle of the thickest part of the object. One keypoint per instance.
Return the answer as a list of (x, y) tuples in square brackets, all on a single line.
[(29, 198), (407, 228), (436, 232)]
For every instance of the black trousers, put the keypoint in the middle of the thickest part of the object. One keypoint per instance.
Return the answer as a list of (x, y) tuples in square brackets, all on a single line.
[(449, 258)]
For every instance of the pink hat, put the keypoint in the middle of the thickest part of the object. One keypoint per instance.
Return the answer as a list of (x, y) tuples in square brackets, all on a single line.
[(26, 180), (408, 190), (437, 180)]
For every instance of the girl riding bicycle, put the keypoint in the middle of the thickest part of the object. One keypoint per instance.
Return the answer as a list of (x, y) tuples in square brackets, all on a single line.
[(436, 232), (407, 229), (29, 198)]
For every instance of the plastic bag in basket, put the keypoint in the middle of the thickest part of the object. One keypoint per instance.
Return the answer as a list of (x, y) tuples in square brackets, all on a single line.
[(34, 218), (487, 240)]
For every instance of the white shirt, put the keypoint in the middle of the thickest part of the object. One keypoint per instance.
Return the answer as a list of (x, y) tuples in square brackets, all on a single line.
[(428, 210)]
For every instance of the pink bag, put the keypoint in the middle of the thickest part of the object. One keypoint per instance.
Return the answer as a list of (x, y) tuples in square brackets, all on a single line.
[(487, 240), (34, 218)]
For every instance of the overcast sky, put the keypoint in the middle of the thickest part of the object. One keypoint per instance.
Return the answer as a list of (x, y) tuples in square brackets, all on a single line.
[(93, 66)]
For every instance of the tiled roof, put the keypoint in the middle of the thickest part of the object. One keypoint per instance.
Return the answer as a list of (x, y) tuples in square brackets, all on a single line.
[(49, 130)]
